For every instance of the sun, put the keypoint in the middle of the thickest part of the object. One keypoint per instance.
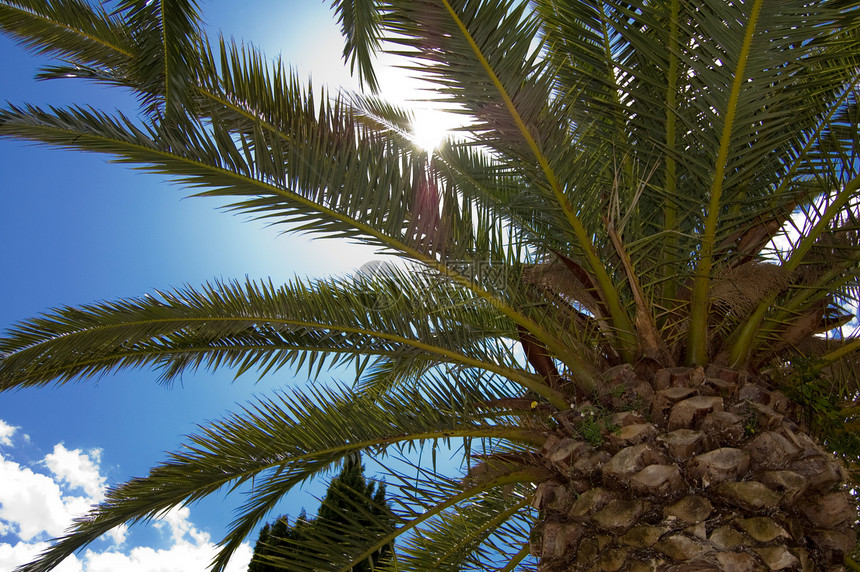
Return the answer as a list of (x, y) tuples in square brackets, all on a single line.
[(429, 128)]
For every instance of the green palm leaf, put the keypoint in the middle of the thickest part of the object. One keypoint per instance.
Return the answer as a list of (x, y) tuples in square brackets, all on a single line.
[(387, 210), (258, 326), (70, 29), (487, 529), (149, 46), (280, 443), (360, 23)]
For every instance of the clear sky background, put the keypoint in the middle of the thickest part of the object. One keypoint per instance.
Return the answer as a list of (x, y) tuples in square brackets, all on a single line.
[(76, 229)]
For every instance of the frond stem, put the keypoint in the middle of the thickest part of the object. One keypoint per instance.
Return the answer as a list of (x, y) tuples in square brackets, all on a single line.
[(670, 210), (517, 558), (529, 382), (623, 325), (842, 352), (697, 340), (524, 476), (492, 523), (167, 82)]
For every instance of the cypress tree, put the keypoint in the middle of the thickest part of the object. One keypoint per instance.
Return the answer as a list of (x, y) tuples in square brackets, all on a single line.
[(352, 508)]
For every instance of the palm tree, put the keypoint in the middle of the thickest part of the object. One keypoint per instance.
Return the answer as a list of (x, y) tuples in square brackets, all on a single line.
[(627, 289)]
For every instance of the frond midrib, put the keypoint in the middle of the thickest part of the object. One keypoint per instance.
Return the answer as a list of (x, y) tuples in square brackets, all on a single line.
[(490, 524), (73, 30), (699, 303), (520, 377), (513, 477)]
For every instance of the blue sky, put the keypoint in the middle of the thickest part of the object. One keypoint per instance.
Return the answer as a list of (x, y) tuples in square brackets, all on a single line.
[(77, 229)]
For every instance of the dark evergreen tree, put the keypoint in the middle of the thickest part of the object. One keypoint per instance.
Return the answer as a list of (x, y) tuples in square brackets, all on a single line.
[(351, 503), (273, 537)]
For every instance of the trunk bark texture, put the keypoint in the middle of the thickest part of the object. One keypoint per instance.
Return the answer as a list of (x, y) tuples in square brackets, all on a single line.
[(693, 470)]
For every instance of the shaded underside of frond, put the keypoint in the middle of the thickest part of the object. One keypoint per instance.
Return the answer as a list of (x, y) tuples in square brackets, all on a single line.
[(279, 443), (259, 326)]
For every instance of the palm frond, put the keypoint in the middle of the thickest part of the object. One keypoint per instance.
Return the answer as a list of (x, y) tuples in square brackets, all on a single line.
[(74, 30), (487, 529), (323, 179), (279, 443), (256, 325), (149, 46), (498, 79), (360, 25), (166, 35)]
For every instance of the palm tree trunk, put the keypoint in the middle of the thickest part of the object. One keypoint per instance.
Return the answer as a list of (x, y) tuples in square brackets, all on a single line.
[(693, 470)]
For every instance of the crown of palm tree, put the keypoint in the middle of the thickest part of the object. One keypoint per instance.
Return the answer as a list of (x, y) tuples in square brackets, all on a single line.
[(649, 183)]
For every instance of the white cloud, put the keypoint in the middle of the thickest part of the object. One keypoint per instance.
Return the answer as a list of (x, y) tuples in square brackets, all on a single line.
[(181, 529), (118, 534), (181, 557), (12, 556), (35, 506), (78, 469), (6, 432), (190, 550), (187, 554)]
